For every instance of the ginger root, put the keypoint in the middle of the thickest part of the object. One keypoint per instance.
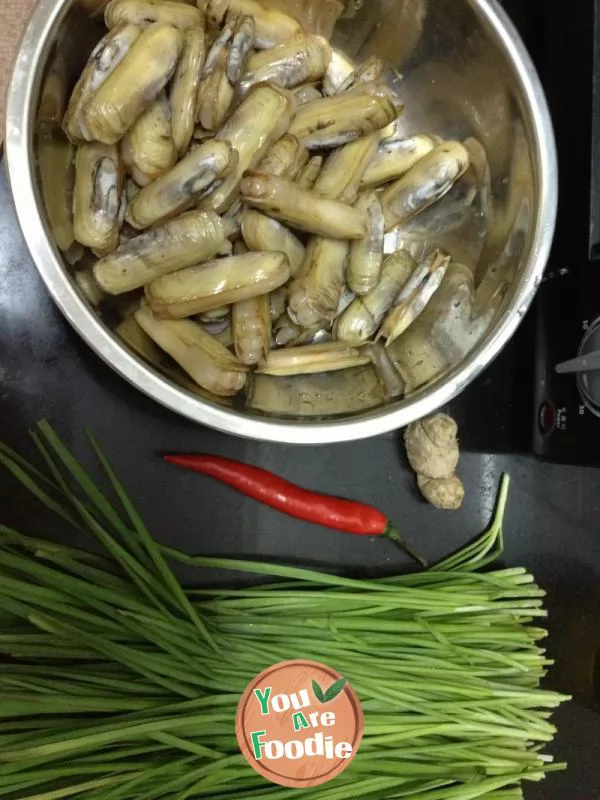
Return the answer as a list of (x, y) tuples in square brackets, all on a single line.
[(446, 493), (433, 452)]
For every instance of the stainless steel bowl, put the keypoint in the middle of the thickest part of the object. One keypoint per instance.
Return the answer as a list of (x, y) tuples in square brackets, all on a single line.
[(465, 72)]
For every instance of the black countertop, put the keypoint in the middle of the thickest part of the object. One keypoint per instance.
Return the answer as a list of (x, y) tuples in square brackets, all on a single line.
[(553, 522)]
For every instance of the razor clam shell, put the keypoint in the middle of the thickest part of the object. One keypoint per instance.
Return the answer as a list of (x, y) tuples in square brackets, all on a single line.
[(251, 327), (55, 162), (302, 209), (342, 173), (134, 84), (414, 297), (271, 27), (341, 119), (88, 287), (299, 60), (426, 183), (306, 94), (312, 359), (216, 283), (97, 196), (130, 332), (278, 303), (367, 72), (285, 159), (315, 295), (361, 320), (340, 68), (263, 233), (204, 359), (105, 58), (395, 157), (444, 334), (310, 174), (146, 12), (261, 119), (189, 239), (215, 96), (329, 394), (184, 89), (366, 255), (184, 185), (148, 148), (241, 46), (392, 381)]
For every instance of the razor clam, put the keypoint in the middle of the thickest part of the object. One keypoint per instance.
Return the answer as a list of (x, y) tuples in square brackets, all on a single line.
[(215, 97), (218, 46), (342, 173), (220, 314), (312, 359), (315, 295), (184, 185), (414, 297), (278, 303), (251, 326), (190, 239), (366, 255), (146, 12), (216, 283), (305, 210), (224, 64), (395, 157), (361, 320), (264, 233), (340, 68), (455, 224), (286, 331), (97, 196), (240, 48), (105, 58), (310, 174), (133, 85), (285, 159), (369, 71), (337, 120), (53, 93), (426, 183), (130, 332), (392, 381), (88, 287), (306, 94), (301, 59), (261, 119), (325, 395), (184, 89), (204, 359), (271, 27), (55, 161), (444, 334), (148, 149)]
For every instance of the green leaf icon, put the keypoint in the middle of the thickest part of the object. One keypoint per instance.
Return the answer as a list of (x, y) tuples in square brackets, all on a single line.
[(334, 690), (318, 692)]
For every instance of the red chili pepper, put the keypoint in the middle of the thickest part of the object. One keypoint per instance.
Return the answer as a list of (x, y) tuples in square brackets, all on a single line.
[(269, 489)]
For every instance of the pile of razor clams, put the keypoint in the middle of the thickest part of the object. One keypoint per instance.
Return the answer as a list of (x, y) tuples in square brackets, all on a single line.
[(240, 193)]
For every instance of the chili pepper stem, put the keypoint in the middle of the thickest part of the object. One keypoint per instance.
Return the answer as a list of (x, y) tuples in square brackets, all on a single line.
[(393, 534)]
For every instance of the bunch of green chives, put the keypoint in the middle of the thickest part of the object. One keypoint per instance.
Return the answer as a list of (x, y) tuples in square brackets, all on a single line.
[(117, 684)]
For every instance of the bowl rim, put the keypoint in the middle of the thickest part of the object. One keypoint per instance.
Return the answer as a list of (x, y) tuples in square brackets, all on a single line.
[(23, 90)]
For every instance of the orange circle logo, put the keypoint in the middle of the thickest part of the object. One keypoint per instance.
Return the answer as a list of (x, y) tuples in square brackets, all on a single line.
[(299, 724)]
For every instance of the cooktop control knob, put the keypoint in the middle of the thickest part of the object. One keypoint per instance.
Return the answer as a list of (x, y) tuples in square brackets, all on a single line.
[(587, 368)]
